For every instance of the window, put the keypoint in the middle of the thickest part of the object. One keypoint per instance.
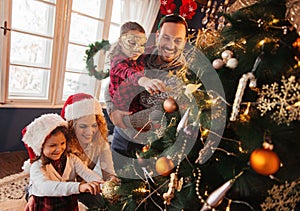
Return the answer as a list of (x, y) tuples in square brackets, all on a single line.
[(43, 48), (43, 44)]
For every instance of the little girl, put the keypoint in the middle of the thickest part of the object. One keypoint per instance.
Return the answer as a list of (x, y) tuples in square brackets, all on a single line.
[(53, 171)]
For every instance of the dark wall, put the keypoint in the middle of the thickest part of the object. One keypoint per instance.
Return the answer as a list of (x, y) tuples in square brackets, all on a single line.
[(12, 121)]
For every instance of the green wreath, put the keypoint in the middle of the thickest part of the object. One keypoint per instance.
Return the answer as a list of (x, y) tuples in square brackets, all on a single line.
[(89, 58)]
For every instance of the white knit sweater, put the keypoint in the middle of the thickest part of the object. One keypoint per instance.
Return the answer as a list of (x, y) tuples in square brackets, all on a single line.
[(46, 181)]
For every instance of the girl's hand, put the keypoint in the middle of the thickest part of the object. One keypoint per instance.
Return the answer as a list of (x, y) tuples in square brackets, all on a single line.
[(91, 187), (30, 204)]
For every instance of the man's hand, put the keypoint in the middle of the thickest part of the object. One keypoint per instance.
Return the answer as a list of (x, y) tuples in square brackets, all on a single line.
[(116, 117)]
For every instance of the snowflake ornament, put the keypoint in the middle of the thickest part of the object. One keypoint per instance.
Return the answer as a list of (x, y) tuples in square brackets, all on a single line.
[(283, 197), (164, 2), (283, 100)]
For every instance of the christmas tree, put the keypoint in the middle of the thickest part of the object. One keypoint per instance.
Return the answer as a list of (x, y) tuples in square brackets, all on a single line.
[(231, 141)]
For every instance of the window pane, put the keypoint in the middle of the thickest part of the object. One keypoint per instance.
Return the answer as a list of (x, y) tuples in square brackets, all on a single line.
[(85, 30), (75, 83), (95, 8), (114, 33), (28, 83), (30, 50), (33, 16), (104, 84), (51, 1), (118, 7), (75, 60)]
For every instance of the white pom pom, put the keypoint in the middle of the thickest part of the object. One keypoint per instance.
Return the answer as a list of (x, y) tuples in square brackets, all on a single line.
[(26, 166), (232, 63), (227, 54), (218, 64)]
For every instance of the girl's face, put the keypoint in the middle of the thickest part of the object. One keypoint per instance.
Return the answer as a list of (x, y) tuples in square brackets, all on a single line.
[(133, 44), (55, 146), (85, 129)]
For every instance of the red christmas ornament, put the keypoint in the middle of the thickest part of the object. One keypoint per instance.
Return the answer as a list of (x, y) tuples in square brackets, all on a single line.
[(188, 8), (167, 7), (164, 166), (170, 105), (264, 161)]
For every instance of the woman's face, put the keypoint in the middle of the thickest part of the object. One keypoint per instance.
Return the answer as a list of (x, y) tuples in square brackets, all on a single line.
[(85, 129), (55, 146)]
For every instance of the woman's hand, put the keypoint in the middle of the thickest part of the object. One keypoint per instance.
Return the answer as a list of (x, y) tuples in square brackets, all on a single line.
[(114, 179)]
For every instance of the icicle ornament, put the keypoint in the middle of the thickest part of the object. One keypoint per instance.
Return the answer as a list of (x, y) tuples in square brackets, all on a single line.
[(216, 197), (240, 92), (242, 85), (184, 120)]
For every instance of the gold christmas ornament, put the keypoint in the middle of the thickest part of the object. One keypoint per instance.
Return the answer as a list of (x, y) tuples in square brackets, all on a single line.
[(164, 166), (109, 191), (206, 38), (240, 4), (170, 105), (292, 13), (264, 161), (175, 184)]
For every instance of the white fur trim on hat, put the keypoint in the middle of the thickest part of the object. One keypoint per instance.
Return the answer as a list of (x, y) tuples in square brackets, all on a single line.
[(26, 166), (82, 108), (39, 129)]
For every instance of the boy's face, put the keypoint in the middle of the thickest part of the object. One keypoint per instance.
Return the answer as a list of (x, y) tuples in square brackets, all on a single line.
[(171, 40), (133, 44), (55, 146)]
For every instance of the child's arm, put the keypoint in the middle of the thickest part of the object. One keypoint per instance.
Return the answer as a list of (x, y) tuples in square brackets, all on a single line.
[(91, 187), (152, 85), (122, 70), (42, 185)]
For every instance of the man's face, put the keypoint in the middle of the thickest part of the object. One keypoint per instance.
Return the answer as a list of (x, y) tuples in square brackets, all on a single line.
[(170, 40)]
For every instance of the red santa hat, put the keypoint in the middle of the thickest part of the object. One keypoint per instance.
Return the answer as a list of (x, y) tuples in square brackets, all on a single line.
[(36, 133), (79, 105)]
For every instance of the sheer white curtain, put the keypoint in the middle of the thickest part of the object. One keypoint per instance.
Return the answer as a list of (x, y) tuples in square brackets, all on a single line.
[(142, 11)]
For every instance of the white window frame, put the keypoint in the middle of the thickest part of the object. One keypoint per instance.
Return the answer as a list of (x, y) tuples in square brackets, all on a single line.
[(59, 54)]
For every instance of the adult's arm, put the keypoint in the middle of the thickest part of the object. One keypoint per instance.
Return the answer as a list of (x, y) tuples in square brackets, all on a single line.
[(116, 116)]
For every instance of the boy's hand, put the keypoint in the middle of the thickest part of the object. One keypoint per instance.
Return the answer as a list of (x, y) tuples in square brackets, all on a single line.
[(152, 86)]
